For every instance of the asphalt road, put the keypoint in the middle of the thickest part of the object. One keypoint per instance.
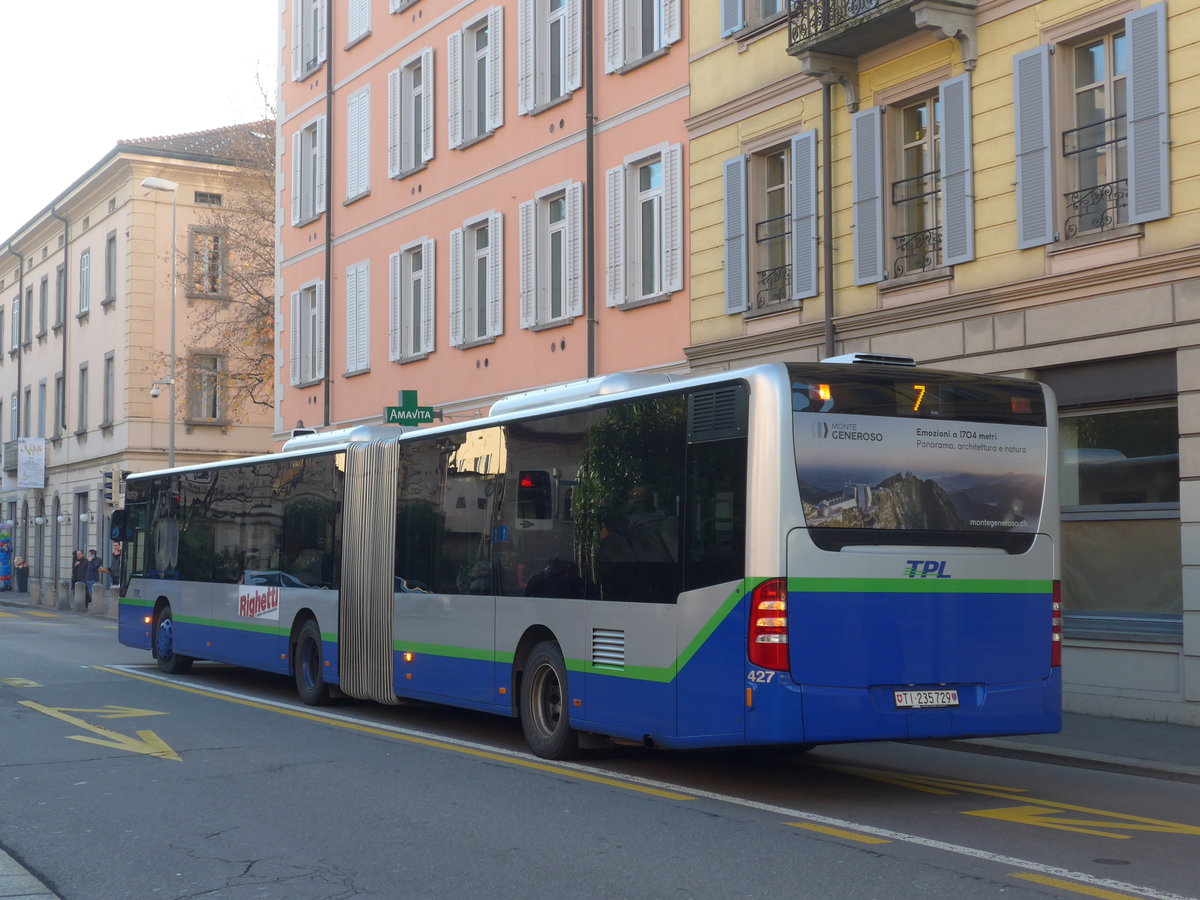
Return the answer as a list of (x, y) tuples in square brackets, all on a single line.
[(118, 782)]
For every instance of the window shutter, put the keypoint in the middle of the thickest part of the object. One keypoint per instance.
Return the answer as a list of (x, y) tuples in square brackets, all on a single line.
[(1035, 185), (456, 287), (736, 251), (670, 22), (395, 116), (867, 143), (296, 333), (395, 299), (296, 176), (362, 316), (614, 35), (297, 40), (615, 249), (804, 215), (322, 150), (358, 165), (454, 94), (428, 295), (352, 318), (958, 186), (574, 73), (495, 299), (575, 249), (529, 262), (322, 12), (1146, 93), (427, 106), (525, 60), (319, 342), (360, 18), (732, 17), (495, 116), (673, 218)]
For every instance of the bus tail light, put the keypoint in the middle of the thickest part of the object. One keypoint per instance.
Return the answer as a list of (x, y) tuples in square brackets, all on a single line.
[(768, 638), (1056, 627)]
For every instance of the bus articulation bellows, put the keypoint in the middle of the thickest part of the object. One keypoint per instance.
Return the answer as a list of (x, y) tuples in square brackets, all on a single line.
[(788, 554)]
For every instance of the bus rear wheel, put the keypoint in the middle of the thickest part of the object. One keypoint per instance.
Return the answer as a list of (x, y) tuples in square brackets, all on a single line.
[(544, 716), (308, 665), (164, 645)]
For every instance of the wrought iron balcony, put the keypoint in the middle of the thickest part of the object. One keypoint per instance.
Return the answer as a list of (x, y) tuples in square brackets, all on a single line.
[(773, 288), (920, 251), (850, 28), (1100, 208)]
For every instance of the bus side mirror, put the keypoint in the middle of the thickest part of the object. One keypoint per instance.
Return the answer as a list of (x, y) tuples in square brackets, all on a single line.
[(122, 526)]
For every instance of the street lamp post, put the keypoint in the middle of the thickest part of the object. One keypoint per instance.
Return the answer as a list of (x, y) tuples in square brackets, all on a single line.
[(162, 184)]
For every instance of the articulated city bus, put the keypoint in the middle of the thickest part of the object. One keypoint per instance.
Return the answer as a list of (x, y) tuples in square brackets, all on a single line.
[(788, 554)]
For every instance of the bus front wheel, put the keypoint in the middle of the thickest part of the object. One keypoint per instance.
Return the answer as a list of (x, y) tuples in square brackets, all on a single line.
[(164, 645), (308, 665), (544, 716)]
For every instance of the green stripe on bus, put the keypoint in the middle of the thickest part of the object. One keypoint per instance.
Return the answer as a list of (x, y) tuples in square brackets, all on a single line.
[(445, 650), (918, 586), (135, 601)]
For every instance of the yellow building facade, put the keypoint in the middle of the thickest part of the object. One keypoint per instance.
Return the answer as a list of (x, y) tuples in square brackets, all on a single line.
[(1005, 187)]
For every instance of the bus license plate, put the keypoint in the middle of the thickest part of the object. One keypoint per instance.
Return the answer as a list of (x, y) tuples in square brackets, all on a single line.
[(925, 699)]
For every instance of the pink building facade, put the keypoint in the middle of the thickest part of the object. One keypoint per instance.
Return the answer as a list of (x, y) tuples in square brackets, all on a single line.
[(475, 199)]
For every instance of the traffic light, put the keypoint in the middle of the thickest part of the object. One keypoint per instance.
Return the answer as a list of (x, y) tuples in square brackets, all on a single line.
[(108, 486)]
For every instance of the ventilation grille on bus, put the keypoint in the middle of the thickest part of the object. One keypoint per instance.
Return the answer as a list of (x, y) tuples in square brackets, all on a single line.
[(718, 414), (608, 648)]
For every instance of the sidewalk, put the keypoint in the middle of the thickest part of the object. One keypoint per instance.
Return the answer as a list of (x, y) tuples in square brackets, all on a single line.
[(17, 884)]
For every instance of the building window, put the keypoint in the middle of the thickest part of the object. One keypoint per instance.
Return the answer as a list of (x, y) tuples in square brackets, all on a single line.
[(205, 371), (1093, 147), (43, 304), (1103, 161), (27, 410), (358, 143), (396, 6), (82, 418), (359, 20), (476, 78), (110, 267), (60, 295), (308, 172), (28, 323), (916, 191), (552, 257), (110, 390), (549, 64), (206, 262), (739, 14), (645, 227), (411, 293), (41, 408), (308, 37), (15, 335), (477, 281), (410, 115), (14, 422), (207, 198), (85, 282), (60, 405), (636, 29), (358, 317), (913, 196), (771, 227), (307, 359)]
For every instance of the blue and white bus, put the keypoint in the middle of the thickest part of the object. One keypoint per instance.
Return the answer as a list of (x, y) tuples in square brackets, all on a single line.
[(788, 554)]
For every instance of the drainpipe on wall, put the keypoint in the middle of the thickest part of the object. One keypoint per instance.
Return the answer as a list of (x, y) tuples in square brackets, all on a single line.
[(589, 188), (18, 328), (61, 412), (327, 381)]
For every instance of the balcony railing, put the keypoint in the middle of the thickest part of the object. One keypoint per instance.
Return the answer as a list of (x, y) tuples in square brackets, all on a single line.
[(919, 251), (809, 18), (917, 200), (773, 285), (1095, 209)]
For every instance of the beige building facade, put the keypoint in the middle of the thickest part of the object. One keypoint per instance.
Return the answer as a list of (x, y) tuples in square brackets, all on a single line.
[(1002, 186), (87, 318)]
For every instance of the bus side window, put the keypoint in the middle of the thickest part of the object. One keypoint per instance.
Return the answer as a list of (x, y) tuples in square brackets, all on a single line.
[(715, 538)]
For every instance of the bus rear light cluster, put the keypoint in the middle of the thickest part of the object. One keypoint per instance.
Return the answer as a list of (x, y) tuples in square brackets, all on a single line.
[(768, 638), (1056, 627)]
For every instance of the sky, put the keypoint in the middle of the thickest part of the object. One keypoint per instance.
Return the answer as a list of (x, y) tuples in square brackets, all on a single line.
[(81, 75)]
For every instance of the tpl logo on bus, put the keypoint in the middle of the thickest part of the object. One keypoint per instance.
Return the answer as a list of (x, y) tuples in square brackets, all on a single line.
[(925, 568)]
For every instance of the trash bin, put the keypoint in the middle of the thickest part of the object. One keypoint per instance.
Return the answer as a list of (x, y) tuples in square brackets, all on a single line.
[(22, 573)]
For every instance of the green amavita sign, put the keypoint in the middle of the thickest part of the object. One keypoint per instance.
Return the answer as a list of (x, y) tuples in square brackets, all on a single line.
[(408, 412)]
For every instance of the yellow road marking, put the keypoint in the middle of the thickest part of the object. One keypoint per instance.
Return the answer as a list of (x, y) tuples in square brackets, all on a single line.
[(1072, 886), (19, 682), (838, 832), (4, 615), (409, 738), (1041, 813), (116, 712), (146, 742), (44, 615)]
